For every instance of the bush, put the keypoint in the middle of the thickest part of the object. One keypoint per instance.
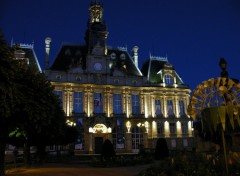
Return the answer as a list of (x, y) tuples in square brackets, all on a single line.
[(161, 150), (108, 151)]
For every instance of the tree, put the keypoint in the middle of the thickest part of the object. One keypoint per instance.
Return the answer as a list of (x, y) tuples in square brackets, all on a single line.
[(161, 150), (8, 96), (108, 150), (28, 107), (38, 115)]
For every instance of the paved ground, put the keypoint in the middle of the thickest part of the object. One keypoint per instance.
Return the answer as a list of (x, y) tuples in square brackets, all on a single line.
[(75, 170)]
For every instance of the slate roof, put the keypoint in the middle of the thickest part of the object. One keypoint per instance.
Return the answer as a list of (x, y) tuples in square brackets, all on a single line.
[(126, 64), (152, 67), (29, 53), (71, 56)]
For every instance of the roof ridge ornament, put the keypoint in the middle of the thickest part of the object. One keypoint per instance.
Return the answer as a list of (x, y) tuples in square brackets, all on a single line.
[(159, 58)]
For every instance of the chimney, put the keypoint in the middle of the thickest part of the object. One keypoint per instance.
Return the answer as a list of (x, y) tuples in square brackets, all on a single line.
[(47, 50), (135, 55)]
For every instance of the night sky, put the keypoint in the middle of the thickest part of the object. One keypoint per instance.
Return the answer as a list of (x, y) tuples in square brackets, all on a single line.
[(193, 34)]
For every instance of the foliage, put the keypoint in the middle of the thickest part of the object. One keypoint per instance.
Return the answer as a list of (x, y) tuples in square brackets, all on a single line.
[(29, 110), (190, 165), (161, 150), (8, 96), (108, 151)]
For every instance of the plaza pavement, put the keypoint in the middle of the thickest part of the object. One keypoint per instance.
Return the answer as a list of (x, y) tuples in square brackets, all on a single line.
[(75, 170)]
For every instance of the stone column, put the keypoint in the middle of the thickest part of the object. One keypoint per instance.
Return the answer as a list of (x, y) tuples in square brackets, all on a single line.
[(90, 143), (128, 142)]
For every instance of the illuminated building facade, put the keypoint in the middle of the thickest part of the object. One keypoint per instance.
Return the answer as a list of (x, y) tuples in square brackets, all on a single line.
[(107, 96)]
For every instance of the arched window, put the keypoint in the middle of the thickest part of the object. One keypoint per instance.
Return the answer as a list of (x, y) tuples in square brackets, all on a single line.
[(168, 79)]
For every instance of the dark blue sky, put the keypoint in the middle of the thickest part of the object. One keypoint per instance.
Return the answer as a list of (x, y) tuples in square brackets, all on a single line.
[(193, 34)]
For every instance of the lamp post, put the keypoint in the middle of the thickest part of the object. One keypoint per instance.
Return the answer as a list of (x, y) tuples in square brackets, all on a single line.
[(224, 74), (223, 66)]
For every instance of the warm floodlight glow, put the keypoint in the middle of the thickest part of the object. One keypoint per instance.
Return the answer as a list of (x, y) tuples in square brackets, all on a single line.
[(178, 125), (128, 125), (70, 123), (90, 130)]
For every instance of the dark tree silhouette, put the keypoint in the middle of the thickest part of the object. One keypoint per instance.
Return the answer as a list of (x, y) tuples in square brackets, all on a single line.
[(108, 151), (7, 96), (161, 150)]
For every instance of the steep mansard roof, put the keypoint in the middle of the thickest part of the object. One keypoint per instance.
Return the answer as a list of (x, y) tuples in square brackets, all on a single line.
[(27, 51), (71, 56), (153, 69), (122, 61)]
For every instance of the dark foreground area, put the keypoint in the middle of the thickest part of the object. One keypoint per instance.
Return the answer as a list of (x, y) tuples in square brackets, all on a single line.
[(74, 170)]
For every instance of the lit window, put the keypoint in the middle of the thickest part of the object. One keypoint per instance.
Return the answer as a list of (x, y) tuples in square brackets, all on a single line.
[(98, 105), (184, 128), (118, 135), (172, 128), (168, 79), (160, 128), (170, 107), (158, 107), (181, 107), (137, 137), (78, 103), (135, 104), (117, 103)]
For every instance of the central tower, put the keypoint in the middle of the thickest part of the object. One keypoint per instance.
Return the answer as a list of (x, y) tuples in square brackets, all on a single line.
[(96, 33)]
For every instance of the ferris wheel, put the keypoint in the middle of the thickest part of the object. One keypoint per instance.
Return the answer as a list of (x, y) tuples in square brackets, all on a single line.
[(219, 92)]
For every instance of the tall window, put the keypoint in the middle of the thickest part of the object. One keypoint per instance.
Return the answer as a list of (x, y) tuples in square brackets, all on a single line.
[(79, 144), (60, 96), (158, 107), (137, 137), (98, 105), (160, 128), (182, 108), (170, 107), (184, 128), (117, 103), (172, 128), (77, 102), (135, 104), (168, 79), (118, 135)]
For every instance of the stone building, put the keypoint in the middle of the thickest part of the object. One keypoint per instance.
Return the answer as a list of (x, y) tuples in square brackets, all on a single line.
[(107, 96)]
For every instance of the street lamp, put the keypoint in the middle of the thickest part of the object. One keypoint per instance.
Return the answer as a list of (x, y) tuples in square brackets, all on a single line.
[(223, 66)]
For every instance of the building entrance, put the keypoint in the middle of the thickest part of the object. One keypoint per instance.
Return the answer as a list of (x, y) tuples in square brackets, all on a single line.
[(98, 145)]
